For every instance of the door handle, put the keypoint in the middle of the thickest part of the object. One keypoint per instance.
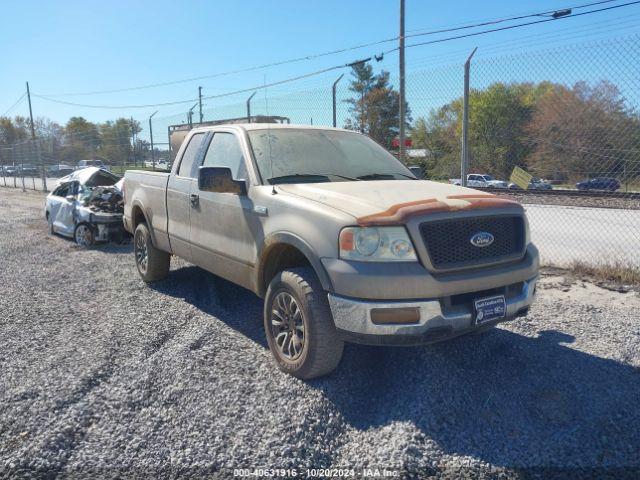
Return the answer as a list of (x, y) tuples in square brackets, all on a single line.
[(195, 199)]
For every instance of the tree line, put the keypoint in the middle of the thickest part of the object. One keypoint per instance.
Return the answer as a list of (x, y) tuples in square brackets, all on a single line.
[(112, 141), (559, 132), (555, 131)]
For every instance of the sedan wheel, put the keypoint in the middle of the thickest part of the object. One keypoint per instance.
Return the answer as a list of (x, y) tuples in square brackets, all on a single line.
[(83, 235)]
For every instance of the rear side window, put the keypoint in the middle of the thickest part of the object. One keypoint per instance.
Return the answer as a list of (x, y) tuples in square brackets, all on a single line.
[(225, 151), (189, 156)]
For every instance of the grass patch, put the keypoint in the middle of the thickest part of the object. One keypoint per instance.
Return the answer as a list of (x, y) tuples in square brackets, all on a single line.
[(610, 272)]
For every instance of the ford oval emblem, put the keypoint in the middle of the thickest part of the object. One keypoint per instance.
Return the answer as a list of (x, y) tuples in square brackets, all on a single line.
[(481, 239)]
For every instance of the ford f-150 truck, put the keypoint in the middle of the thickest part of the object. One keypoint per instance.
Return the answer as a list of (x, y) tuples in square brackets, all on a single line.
[(338, 237)]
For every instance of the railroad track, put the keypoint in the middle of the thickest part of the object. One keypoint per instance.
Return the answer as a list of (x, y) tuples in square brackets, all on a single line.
[(566, 193)]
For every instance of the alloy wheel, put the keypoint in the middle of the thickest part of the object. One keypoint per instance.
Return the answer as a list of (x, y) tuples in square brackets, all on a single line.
[(83, 235), (142, 256), (287, 326)]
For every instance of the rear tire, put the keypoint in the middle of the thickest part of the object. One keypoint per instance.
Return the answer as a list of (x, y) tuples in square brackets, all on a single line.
[(152, 263), (305, 344)]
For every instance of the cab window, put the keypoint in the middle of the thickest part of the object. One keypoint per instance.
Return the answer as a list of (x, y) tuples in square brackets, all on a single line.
[(225, 151), (190, 154)]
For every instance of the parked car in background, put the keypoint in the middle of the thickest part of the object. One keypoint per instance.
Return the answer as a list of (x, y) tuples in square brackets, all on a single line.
[(339, 238), (600, 183), (92, 163), (476, 180), (10, 170), (26, 170), (534, 184), (59, 170), (159, 164)]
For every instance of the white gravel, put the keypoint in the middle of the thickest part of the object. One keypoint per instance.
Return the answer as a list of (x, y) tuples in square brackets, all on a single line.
[(102, 376)]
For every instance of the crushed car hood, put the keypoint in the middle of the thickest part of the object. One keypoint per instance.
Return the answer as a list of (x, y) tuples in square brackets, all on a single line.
[(90, 176), (374, 198)]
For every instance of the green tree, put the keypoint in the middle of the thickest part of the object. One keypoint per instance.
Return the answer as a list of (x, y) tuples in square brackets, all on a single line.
[(12, 131), (81, 140), (375, 105), (584, 131), (117, 140)]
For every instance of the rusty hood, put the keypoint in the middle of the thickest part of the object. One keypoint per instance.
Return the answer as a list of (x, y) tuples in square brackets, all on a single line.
[(388, 202)]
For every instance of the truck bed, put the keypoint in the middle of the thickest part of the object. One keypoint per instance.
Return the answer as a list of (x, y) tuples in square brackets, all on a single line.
[(150, 190)]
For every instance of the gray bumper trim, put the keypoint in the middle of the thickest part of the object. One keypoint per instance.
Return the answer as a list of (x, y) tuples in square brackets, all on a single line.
[(353, 316)]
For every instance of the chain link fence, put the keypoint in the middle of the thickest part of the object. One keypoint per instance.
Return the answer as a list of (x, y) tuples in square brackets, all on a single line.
[(568, 116)]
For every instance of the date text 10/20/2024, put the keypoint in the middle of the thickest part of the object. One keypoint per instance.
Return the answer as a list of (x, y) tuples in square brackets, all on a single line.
[(315, 473)]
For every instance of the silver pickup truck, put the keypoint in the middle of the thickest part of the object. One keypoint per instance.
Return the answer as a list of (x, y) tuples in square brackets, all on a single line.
[(338, 237)]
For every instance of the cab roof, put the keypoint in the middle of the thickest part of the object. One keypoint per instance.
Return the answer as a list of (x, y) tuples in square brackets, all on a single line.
[(269, 126)]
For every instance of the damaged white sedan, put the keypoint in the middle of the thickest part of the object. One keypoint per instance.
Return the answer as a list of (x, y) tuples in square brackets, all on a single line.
[(87, 206)]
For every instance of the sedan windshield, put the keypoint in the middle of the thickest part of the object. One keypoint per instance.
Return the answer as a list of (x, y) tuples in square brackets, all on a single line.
[(315, 155)]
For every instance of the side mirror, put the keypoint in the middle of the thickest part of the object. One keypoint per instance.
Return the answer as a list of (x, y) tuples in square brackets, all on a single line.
[(70, 198), (220, 180)]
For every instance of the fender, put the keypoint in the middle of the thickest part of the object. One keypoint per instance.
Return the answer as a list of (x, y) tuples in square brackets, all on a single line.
[(302, 246), (137, 203)]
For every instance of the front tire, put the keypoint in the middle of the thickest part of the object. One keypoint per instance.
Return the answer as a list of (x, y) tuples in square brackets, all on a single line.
[(83, 235), (299, 326), (152, 263)]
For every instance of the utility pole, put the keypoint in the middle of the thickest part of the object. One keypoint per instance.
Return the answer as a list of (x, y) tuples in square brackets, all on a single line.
[(333, 96), (464, 155), (33, 137), (153, 157), (200, 101), (33, 130), (133, 143), (401, 88)]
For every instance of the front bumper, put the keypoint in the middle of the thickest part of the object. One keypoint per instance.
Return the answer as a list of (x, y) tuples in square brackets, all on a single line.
[(439, 318)]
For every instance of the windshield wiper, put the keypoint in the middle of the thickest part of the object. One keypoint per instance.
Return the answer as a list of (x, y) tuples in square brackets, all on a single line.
[(294, 176), (385, 176)]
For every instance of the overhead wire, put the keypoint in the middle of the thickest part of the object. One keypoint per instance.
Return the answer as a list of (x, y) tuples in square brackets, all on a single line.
[(14, 105), (208, 97), (511, 27), (331, 52)]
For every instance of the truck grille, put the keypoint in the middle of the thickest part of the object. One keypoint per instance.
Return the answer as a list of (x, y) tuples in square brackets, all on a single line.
[(448, 242)]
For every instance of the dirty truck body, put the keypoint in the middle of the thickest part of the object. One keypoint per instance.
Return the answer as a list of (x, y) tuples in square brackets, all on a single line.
[(380, 259)]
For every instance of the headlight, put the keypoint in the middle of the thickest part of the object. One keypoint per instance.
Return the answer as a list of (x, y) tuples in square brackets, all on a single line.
[(527, 232), (376, 244)]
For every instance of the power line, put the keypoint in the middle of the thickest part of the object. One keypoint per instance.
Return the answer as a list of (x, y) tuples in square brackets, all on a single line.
[(323, 54), (584, 31), (510, 27), (179, 102), (503, 20), (14, 105)]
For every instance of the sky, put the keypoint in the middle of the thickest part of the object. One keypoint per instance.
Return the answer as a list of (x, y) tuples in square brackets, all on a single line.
[(71, 47)]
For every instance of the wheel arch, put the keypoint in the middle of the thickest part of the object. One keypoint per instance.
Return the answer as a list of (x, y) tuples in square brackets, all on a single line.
[(285, 250), (138, 216)]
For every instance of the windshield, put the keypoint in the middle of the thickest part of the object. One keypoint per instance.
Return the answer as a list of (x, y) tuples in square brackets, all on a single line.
[(310, 155)]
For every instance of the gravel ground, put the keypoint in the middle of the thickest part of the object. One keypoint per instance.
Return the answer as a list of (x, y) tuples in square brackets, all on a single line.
[(102, 376)]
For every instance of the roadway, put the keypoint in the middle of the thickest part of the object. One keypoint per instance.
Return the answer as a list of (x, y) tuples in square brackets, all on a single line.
[(591, 235)]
